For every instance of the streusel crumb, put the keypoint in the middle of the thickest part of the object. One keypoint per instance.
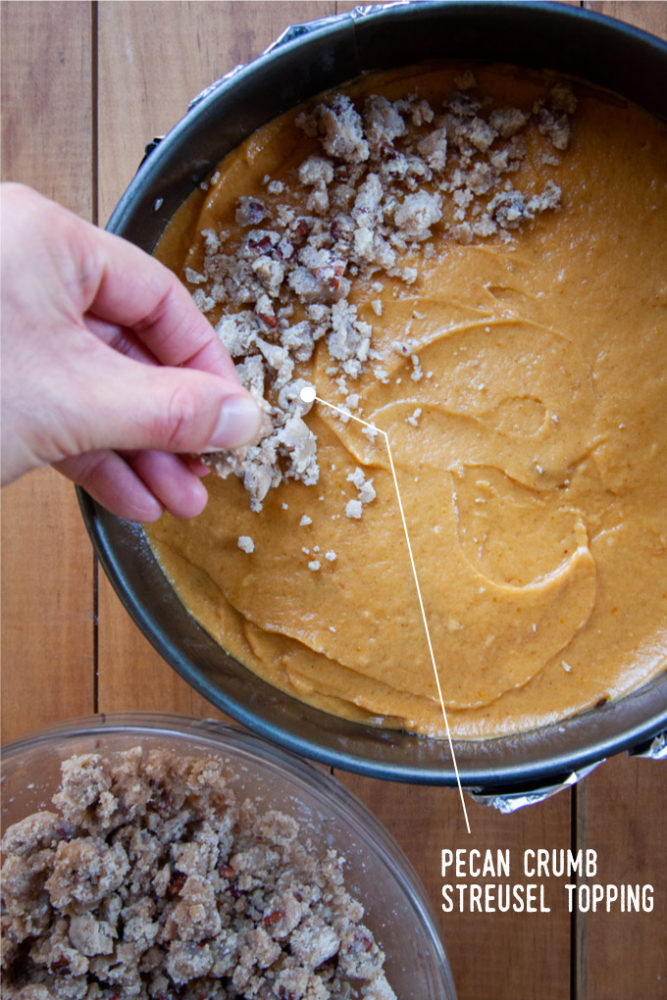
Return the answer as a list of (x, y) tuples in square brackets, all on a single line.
[(152, 881)]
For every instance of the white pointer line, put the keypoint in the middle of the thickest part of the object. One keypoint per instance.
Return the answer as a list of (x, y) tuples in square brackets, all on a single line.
[(308, 396)]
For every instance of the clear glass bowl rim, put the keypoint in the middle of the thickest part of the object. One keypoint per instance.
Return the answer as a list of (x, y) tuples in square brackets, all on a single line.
[(224, 738)]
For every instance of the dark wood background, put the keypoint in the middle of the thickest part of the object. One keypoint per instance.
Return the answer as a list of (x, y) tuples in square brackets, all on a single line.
[(84, 87)]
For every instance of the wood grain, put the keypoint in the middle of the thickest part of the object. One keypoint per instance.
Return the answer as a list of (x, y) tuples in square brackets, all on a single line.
[(47, 107), (47, 560), (483, 949), (620, 808), (155, 57), (650, 15), (622, 813)]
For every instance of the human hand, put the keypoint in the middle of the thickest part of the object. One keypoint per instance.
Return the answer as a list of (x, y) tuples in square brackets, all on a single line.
[(109, 371)]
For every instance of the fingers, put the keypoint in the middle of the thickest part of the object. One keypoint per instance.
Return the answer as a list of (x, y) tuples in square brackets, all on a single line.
[(119, 339), (138, 487), (110, 480), (104, 275), (169, 479), (116, 403), (137, 292), (109, 357), (195, 465)]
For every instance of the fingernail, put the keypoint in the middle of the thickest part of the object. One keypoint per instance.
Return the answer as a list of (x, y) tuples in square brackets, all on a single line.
[(239, 423)]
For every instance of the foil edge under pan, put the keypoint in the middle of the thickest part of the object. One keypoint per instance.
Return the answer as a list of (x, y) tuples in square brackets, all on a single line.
[(306, 60)]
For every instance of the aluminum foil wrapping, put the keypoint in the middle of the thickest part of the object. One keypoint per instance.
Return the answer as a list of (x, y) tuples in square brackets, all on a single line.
[(294, 31), (510, 802), (363, 10), (655, 750)]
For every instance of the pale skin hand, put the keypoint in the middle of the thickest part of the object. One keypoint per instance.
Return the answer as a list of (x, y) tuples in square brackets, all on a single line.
[(109, 371)]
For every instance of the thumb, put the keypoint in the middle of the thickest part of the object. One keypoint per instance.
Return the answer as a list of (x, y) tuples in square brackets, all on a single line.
[(139, 406)]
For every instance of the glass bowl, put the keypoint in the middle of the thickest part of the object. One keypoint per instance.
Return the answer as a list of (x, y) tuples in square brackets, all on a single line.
[(377, 873)]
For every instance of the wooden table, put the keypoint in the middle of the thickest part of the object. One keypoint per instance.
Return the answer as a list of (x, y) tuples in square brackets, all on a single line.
[(85, 85)]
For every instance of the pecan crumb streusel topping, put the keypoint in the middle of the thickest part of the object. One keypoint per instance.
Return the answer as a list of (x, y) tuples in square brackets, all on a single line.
[(151, 880), (390, 176)]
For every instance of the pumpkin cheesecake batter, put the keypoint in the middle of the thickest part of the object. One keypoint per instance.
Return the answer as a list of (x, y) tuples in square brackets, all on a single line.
[(505, 326)]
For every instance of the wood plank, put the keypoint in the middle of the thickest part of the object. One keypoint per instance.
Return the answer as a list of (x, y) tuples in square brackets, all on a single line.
[(623, 816), (143, 91), (47, 562), (47, 99), (645, 14), (621, 809), (132, 676), (504, 955)]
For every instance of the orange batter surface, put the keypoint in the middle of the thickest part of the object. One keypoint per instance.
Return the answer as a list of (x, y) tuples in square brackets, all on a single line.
[(530, 453)]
